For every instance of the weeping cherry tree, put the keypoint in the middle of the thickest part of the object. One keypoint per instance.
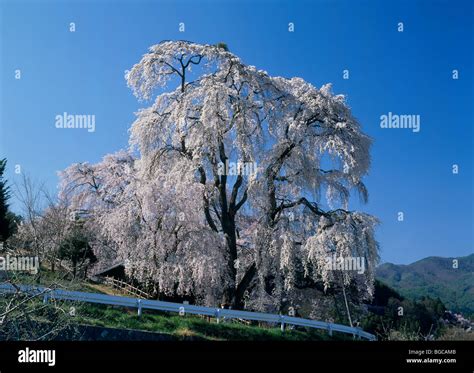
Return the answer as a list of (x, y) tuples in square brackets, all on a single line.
[(236, 185)]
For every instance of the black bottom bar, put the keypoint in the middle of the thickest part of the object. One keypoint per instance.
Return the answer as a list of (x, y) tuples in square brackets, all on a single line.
[(142, 356)]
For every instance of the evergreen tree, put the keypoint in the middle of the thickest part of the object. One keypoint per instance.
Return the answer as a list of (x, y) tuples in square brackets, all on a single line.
[(76, 249), (5, 216)]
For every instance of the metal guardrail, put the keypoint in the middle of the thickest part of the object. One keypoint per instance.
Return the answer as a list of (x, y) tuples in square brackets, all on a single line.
[(218, 313)]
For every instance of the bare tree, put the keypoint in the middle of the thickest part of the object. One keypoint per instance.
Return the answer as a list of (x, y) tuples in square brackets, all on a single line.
[(25, 315)]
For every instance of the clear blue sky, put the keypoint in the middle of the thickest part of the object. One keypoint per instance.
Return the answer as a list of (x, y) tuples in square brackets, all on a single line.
[(404, 73)]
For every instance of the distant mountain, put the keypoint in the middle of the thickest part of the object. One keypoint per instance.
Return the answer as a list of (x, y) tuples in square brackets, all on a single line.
[(434, 277)]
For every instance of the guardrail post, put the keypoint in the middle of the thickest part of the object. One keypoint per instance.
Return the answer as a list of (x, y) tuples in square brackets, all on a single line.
[(330, 330), (282, 326), (357, 333), (217, 315), (139, 307), (45, 298)]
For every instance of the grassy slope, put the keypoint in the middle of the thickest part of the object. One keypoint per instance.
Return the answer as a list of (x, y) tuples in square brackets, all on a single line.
[(189, 325), (162, 322)]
